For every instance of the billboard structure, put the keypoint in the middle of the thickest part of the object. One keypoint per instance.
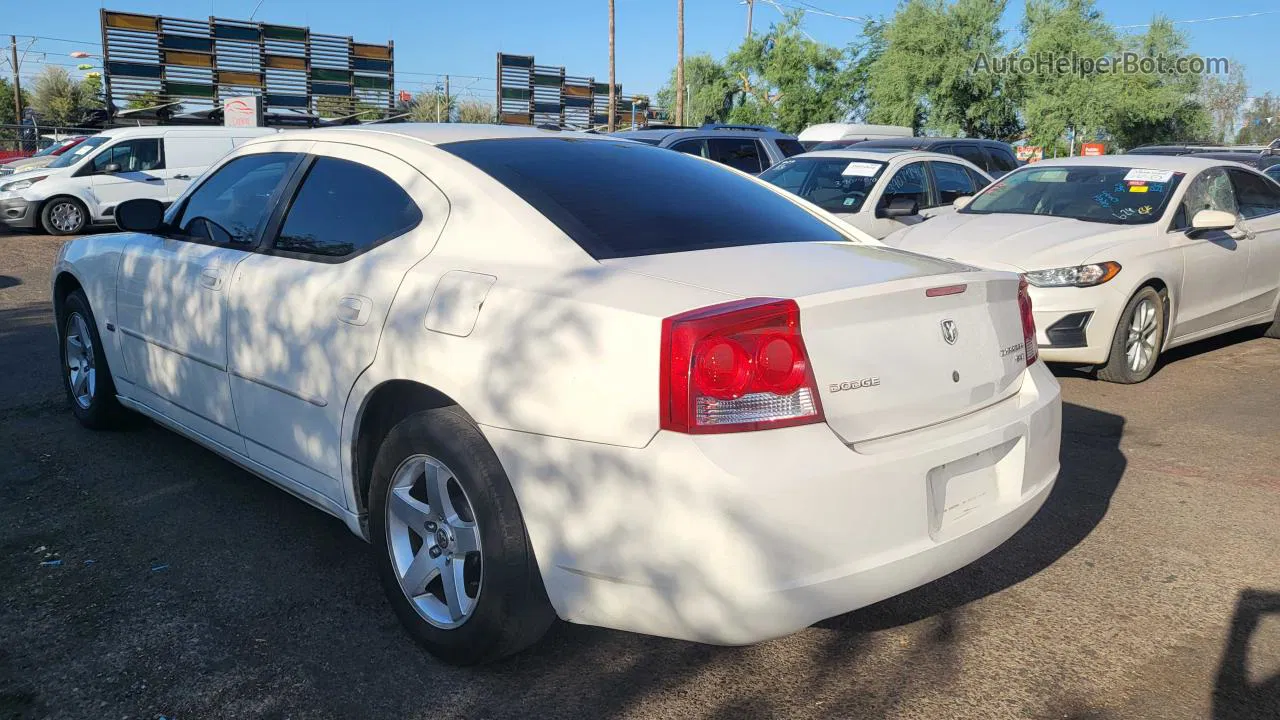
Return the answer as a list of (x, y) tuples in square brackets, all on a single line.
[(532, 94), (156, 61)]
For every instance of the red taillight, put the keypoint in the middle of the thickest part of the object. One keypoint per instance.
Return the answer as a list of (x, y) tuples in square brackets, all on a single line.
[(1029, 345), (737, 366)]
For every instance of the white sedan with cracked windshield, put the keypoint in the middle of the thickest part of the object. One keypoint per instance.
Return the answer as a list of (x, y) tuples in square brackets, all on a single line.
[(1128, 255), (551, 374)]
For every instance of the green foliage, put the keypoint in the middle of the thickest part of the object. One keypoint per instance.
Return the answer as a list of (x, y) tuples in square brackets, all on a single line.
[(431, 106), (1223, 98), (709, 86), (59, 100), (335, 106), (7, 116), (151, 99), (475, 111), (1156, 107), (923, 76), (1261, 123), (788, 80), (1056, 102)]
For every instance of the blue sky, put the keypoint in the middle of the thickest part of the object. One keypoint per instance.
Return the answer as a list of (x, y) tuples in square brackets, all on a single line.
[(460, 38)]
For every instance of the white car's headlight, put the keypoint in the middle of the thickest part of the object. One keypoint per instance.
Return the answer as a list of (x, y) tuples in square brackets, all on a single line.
[(22, 184), (1078, 276)]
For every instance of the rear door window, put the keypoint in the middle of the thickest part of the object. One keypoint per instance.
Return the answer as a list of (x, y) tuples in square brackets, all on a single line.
[(790, 147), (691, 147), (741, 153), (979, 180), (952, 181), (908, 182), (621, 199), (972, 153), (1001, 160), (1255, 195)]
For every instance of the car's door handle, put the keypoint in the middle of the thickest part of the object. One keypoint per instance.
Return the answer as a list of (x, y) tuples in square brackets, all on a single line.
[(211, 277), (354, 309), (154, 179), (181, 176), (1238, 234)]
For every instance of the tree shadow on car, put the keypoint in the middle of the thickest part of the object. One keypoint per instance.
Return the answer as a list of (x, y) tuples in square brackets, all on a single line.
[(1092, 466)]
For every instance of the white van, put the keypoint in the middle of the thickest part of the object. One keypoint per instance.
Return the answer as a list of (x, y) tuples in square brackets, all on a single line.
[(84, 186), (848, 134)]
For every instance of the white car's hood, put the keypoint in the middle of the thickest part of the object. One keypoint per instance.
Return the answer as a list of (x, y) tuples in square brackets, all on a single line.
[(32, 172), (1012, 242)]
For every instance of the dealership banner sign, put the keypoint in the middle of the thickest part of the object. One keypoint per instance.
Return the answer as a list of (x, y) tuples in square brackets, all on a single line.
[(150, 59)]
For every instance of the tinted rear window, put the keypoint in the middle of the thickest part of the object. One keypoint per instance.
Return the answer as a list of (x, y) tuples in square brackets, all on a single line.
[(625, 199), (790, 147)]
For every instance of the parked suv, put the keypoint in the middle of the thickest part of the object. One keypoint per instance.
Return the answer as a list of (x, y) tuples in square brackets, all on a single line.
[(995, 157), (749, 148), (84, 186)]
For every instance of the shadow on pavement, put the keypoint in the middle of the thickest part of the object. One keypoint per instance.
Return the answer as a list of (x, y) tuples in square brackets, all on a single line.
[(1236, 694), (8, 281), (1092, 465), (1177, 354)]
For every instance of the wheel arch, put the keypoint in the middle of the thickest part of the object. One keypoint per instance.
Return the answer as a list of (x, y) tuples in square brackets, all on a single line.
[(64, 284), (1158, 284), (381, 409)]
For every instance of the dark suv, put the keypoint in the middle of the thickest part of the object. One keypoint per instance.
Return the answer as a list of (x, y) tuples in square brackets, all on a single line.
[(995, 157), (750, 148)]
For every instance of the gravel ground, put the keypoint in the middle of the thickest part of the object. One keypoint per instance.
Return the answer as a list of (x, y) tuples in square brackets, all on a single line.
[(1148, 586)]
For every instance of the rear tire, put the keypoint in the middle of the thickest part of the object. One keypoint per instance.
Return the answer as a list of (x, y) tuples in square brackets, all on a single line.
[(86, 376), (64, 216), (1139, 335), (471, 535)]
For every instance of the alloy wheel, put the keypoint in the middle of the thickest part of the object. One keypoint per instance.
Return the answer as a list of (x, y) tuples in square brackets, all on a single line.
[(78, 350), (1140, 345), (434, 541)]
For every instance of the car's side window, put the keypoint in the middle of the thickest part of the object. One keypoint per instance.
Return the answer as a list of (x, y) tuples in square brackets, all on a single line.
[(1002, 160), (138, 155), (979, 180), (231, 205), (789, 147), (1255, 195), (1210, 190), (691, 147), (908, 182), (972, 153), (740, 153), (343, 208), (952, 181)]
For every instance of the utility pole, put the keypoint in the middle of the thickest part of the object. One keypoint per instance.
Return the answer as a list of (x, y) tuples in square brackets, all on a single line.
[(751, 5), (448, 101), (680, 91), (613, 84), (17, 83)]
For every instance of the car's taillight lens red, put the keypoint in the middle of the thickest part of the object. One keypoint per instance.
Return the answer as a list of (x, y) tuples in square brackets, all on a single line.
[(1029, 345), (737, 366)]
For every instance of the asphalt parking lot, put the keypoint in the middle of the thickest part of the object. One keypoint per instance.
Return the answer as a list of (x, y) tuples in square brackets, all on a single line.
[(1148, 586)]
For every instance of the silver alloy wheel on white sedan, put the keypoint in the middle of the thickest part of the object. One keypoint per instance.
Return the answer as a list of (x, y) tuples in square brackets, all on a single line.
[(434, 541), (1140, 345), (82, 376), (66, 216)]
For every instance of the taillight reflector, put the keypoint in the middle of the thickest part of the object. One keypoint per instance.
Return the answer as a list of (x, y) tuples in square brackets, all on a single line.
[(737, 366), (1030, 348), (945, 290)]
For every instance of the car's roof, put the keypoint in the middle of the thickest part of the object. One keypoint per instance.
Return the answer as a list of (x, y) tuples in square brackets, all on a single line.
[(885, 157), (153, 130), (1179, 163), (925, 142), (433, 133), (718, 130)]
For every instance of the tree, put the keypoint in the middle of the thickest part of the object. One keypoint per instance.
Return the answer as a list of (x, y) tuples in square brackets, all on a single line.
[(431, 106), (7, 109), (709, 87), (1261, 123), (150, 99), (788, 80), (922, 72), (1149, 107), (338, 106), (1223, 99), (58, 99), (475, 111), (1060, 101)]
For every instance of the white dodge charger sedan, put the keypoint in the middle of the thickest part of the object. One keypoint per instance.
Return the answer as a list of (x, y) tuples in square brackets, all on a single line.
[(549, 374), (1127, 255)]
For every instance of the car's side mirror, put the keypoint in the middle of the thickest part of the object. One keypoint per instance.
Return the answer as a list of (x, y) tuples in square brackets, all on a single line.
[(1213, 220), (900, 206), (140, 215), (962, 202), (111, 168)]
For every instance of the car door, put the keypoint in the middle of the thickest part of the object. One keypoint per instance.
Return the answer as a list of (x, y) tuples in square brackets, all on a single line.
[(908, 181), (1002, 161), (693, 146), (1214, 262), (140, 175), (306, 313), (1258, 200), (745, 154), (950, 181), (171, 295), (973, 153)]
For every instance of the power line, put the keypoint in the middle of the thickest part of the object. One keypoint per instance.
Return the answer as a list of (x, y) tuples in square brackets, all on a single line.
[(1205, 20)]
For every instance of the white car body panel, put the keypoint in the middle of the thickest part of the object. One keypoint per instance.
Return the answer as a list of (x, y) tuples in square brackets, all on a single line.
[(1215, 283), (555, 356)]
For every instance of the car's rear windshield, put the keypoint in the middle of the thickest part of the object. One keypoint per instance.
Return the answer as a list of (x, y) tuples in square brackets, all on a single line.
[(618, 199), (1093, 193)]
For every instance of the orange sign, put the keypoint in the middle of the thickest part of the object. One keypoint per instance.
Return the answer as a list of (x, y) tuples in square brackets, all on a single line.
[(1090, 149)]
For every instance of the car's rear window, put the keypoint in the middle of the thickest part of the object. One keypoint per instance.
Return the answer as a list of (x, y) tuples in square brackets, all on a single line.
[(619, 199)]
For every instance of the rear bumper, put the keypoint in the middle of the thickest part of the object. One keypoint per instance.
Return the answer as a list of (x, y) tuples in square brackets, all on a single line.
[(738, 538), (18, 213)]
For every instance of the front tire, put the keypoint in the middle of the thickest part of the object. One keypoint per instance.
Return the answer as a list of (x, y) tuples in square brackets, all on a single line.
[(1139, 335), (1273, 330), (85, 374), (452, 552), (64, 216)]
